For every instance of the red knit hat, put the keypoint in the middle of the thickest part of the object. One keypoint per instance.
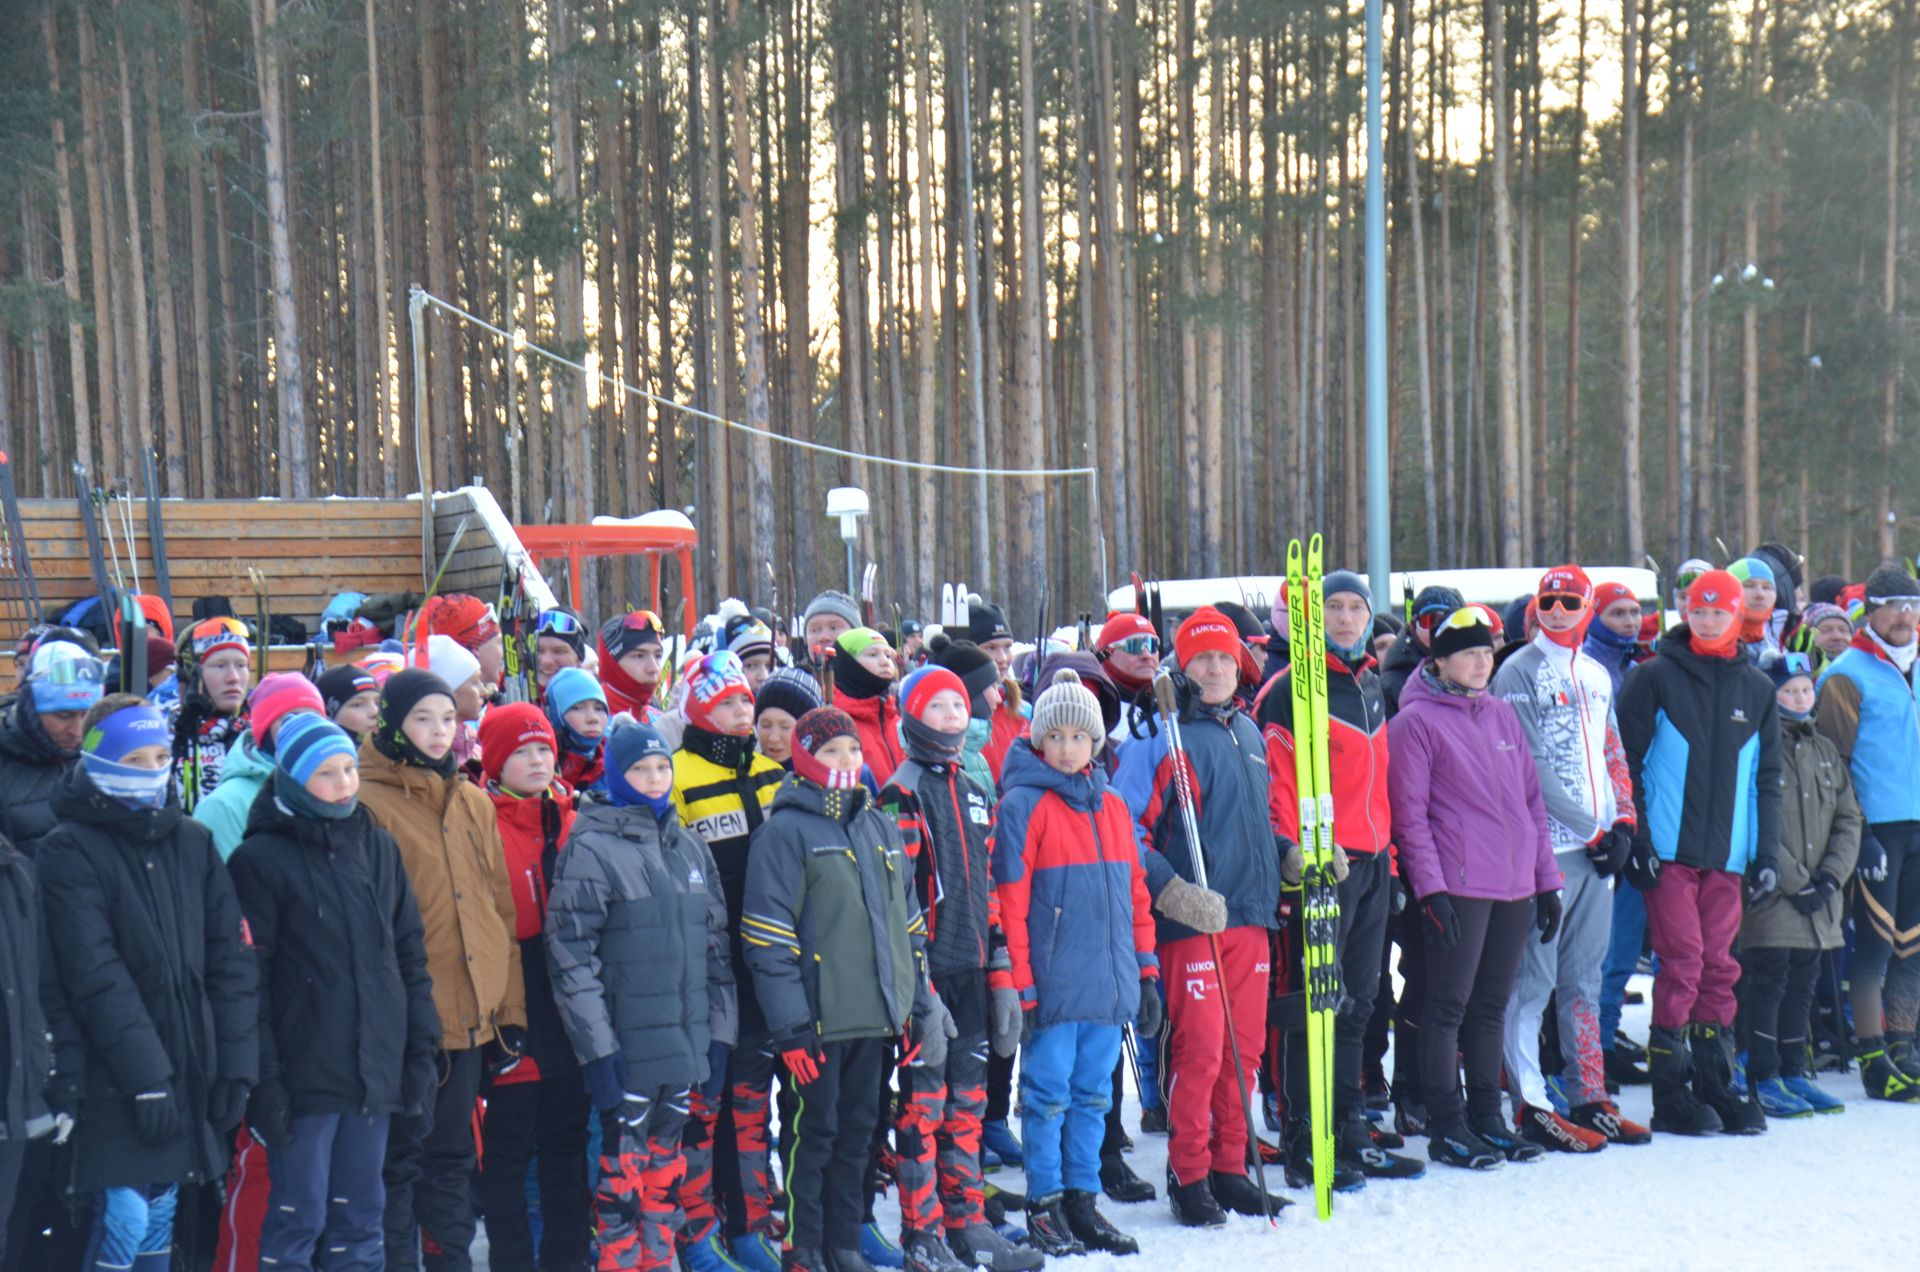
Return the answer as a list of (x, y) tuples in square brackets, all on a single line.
[(917, 690), (1208, 629), (712, 680), (1122, 625), (275, 697), (1718, 590), (507, 728), (468, 619), (1566, 580), (1607, 594)]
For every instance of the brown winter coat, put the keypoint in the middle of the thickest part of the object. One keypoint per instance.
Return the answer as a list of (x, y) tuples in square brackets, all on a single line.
[(1819, 831), (451, 846)]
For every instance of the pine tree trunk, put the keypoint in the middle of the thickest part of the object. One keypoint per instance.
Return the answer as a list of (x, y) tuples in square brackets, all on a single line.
[(165, 316), (1890, 279), (926, 322), (69, 254), (137, 363), (1029, 516), (1630, 375), (1421, 336), (113, 406), (289, 376), (380, 417), (205, 441), (982, 563), (1506, 334), (1570, 464), (575, 469), (759, 449)]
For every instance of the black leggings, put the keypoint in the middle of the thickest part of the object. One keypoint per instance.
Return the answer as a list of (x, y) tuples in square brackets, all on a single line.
[(1466, 1009), (1776, 994)]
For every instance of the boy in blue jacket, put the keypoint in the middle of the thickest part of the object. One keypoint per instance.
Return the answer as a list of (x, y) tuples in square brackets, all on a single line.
[(1080, 935)]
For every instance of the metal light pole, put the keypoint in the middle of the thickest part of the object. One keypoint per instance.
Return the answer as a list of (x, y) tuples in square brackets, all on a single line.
[(1379, 481), (849, 503)]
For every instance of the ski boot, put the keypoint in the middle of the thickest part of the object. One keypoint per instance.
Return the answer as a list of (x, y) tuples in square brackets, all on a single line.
[(1901, 1051), (1193, 1204), (1622, 1070), (1603, 1116), (1356, 1144), (1153, 1120), (1347, 1177), (1882, 1078), (1047, 1227), (1493, 1131), (1777, 1099), (1091, 1228), (849, 1261), (1676, 1109), (1551, 1131), (876, 1248), (1119, 1182), (926, 1252), (1004, 1143), (1409, 1116), (1807, 1089), (980, 1246), (1452, 1144), (1375, 1092), (1241, 1195), (708, 1254), (800, 1259), (756, 1252), (1714, 1083)]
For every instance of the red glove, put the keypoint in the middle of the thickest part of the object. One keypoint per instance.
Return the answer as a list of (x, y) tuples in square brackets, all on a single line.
[(801, 1064)]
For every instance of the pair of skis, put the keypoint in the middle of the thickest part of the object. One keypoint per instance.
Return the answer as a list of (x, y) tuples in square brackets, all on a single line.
[(1320, 899)]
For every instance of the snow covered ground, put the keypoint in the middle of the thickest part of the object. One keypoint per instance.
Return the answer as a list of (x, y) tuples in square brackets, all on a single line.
[(1826, 1192)]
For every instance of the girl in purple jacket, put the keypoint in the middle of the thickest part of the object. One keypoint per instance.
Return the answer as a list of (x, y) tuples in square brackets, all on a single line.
[(1474, 845)]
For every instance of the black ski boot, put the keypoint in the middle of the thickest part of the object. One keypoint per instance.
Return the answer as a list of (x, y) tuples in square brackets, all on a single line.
[(1347, 1177), (1622, 1069), (926, 1252), (1409, 1115), (1092, 1228), (1452, 1144), (1119, 1182), (1713, 1082), (1492, 1130), (848, 1260), (1047, 1227), (980, 1246), (1881, 1076), (1676, 1109), (1356, 1146), (1901, 1051), (1241, 1195), (1193, 1204), (1153, 1121), (799, 1259)]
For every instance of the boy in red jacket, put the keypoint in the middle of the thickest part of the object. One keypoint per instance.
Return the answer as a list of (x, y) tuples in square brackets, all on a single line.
[(536, 1102)]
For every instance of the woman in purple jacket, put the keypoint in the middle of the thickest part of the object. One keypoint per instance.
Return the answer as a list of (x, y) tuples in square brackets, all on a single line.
[(1473, 841)]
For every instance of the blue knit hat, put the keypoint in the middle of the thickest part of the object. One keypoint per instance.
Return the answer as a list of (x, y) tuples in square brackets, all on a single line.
[(570, 687), (627, 745), (307, 741)]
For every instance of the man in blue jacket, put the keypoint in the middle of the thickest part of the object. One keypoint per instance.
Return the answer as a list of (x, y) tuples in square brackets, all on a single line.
[(1867, 708), (1207, 1145)]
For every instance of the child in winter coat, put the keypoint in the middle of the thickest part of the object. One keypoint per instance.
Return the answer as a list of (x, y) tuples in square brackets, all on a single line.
[(721, 787), (944, 821), (835, 941), (249, 764), (863, 676), (450, 843), (536, 1109), (632, 649), (1080, 930), (347, 1025), (781, 700), (1782, 936), (577, 710), (351, 698), (150, 990), (636, 935), (210, 717)]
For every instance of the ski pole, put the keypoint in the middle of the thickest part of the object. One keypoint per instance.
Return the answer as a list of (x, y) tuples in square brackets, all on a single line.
[(1164, 698), (1132, 1048)]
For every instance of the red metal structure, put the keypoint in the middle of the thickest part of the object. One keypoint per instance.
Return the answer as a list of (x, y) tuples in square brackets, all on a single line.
[(654, 542)]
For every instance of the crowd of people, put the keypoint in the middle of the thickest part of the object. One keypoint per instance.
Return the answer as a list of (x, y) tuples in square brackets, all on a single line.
[(697, 952)]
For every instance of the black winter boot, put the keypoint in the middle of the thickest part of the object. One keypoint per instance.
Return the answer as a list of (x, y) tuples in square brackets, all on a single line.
[(1347, 1177), (1119, 1182), (1091, 1227), (1355, 1145), (1901, 1051), (1452, 1144), (1676, 1109), (1884, 1079), (1047, 1227), (1713, 1081), (1241, 1195), (1193, 1204)]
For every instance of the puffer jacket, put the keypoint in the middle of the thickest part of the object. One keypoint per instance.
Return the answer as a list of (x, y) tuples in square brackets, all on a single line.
[(1073, 896), (834, 939), (447, 837), (25, 1060), (944, 820), (1228, 759), (347, 1023), (1009, 721), (1467, 814), (227, 811), (31, 769), (636, 938), (1565, 703), (878, 720), (1403, 658), (1820, 826), (1356, 754), (532, 834), (1702, 737), (1871, 712), (150, 984)]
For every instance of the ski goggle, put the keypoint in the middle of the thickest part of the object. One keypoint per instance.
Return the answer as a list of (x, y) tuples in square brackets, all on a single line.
[(558, 622), (1796, 664), (1561, 601), (1462, 619), (1898, 604), (65, 664), (643, 621), (1139, 645)]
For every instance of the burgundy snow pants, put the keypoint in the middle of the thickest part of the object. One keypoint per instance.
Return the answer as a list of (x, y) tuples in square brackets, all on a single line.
[(1693, 916)]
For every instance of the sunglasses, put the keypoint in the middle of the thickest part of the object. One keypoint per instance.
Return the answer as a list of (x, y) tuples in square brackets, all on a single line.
[(1899, 604), (557, 623), (643, 620), (1140, 645), (1572, 604)]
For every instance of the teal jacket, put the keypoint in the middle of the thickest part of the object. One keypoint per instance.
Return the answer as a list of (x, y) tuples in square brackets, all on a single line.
[(225, 811)]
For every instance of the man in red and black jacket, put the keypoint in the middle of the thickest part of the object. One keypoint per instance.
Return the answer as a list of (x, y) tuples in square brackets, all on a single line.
[(1357, 757)]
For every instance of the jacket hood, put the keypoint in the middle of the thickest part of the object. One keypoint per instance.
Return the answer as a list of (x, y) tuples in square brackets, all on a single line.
[(1025, 767), (26, 740), (79, 800), (246, 760)]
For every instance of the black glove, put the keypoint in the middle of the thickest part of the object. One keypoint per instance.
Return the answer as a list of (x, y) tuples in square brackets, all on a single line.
[(226, 1104), (606, 1080), (1397, 897), (156, 1118), (268, 1115), (1611, 850), (1813, 898), (419, 1079), (1762, 882), (1440, 923), (1643, 865), (1872, 865), (1152, 1013), (507, 1049), (1547, 912)]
